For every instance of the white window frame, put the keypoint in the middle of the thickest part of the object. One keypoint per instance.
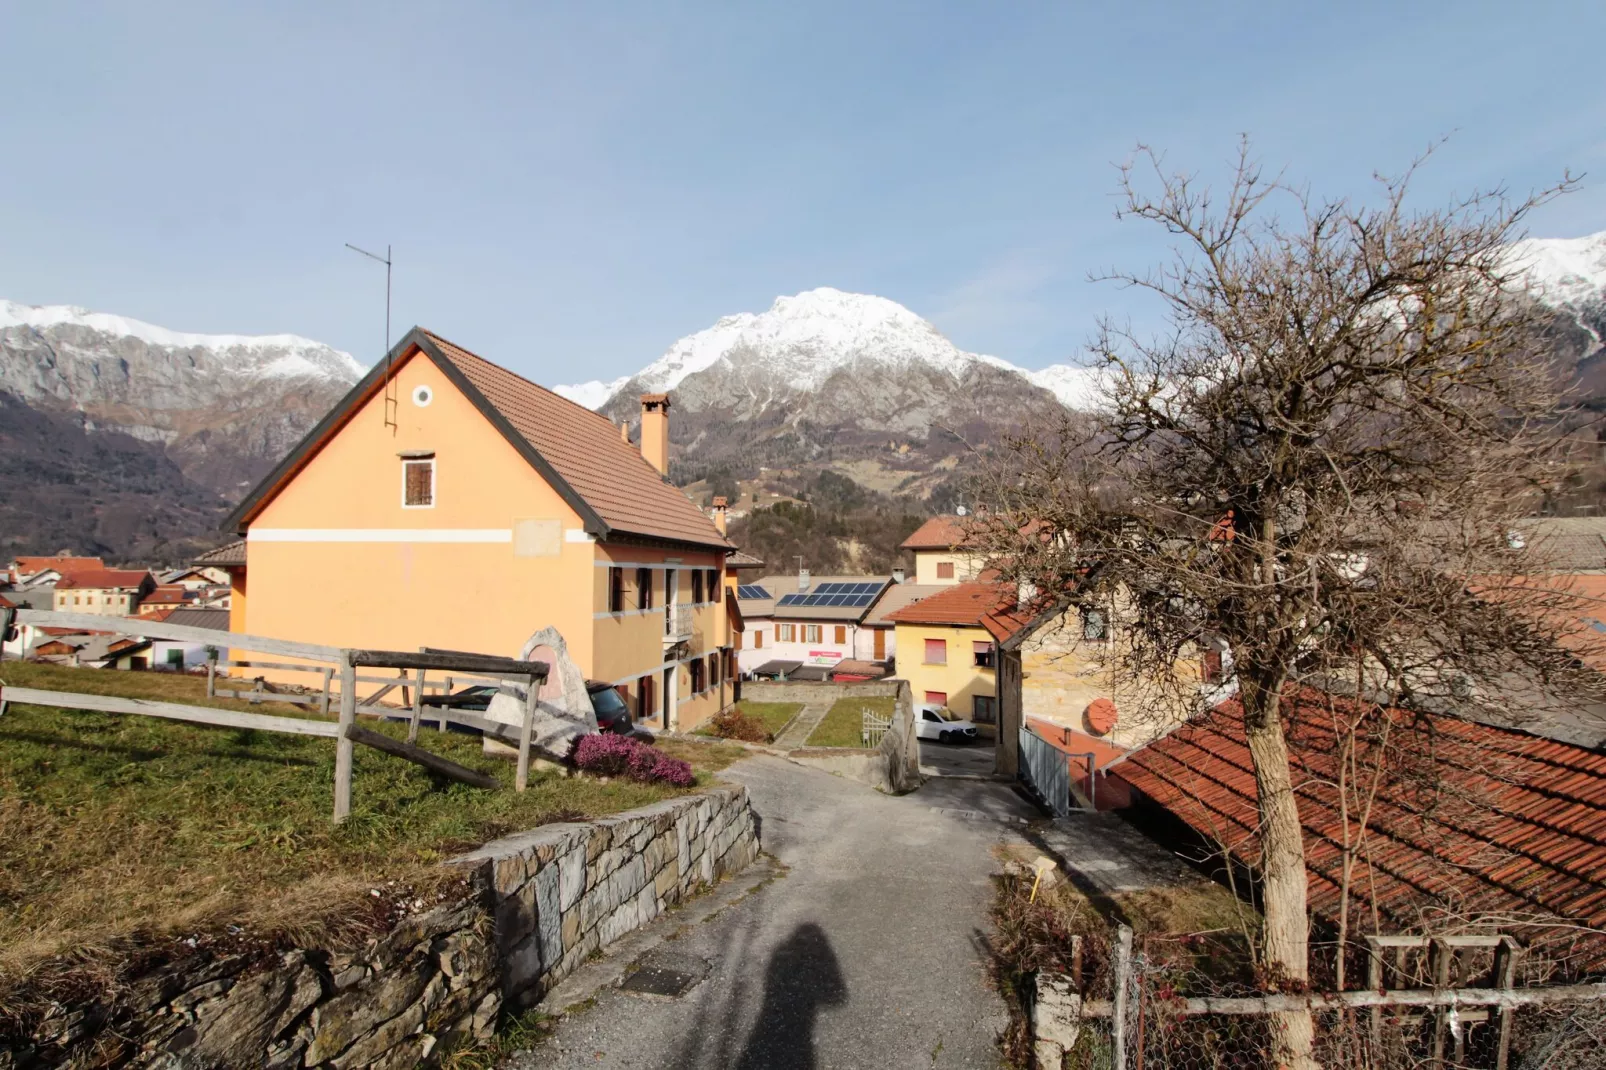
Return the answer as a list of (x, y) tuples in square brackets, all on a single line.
[(434, 482), (813, 633)]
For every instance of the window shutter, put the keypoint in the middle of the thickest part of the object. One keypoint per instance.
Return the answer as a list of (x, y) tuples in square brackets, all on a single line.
[(936, 651), (420, 477), (841, 634)]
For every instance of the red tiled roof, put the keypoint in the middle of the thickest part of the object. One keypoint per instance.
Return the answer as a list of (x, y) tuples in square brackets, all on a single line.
[(970, 605), (579, 452), (6, 603), (103, 579), (65, 565), (939, 533), (167, 594), (1518, 826)]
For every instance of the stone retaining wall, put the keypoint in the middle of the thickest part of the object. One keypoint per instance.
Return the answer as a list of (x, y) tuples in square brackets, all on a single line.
[(816, 691), (562, 892), (535, 906)]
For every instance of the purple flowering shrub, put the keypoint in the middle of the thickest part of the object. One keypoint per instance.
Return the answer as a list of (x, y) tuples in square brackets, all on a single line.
[(611, 755)]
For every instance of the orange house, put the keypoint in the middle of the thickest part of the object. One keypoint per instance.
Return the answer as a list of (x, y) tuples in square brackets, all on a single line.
[(462, 506)]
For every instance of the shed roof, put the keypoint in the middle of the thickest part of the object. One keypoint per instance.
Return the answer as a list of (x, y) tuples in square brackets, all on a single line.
[(1517, 825), (577, 451)]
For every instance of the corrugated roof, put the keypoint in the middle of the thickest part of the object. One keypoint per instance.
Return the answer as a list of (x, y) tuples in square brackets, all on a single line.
[(939, 533), (1517, 826), (585, 448), (199, 617)]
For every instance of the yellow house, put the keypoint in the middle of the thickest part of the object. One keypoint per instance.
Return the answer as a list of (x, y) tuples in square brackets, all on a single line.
[(105, 592), (948, 647), (447, 502), (939, 551)]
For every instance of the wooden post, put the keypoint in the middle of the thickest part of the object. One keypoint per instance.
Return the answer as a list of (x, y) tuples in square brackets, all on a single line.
[(1505, 976), (256, 691), (328, 685), (418, 706), (448, 691), (1374, 983), (1440, 956), (211, 674), (532, 696), (343, 745), (1123, 980)]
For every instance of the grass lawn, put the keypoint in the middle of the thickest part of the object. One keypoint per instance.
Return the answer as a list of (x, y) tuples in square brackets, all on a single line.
[(112, 824), (773, 715), (843, 725)]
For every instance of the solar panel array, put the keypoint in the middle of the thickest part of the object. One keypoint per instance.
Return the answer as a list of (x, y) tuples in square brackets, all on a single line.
[(834, 594), (751, 590)]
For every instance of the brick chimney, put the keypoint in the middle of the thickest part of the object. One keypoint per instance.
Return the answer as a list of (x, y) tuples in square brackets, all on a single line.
[(719, 513), (655, 430), (624, 432)]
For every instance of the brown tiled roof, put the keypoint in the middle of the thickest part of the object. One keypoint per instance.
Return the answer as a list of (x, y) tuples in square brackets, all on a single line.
[(939, 533), (976, 604), (230, 553), (741, 559), (577, 451), (65, 565), (1519, 827), (167, 595), (103, 579)]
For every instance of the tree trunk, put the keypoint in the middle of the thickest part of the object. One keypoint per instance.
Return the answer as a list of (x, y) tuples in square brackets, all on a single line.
[(1286, 944)]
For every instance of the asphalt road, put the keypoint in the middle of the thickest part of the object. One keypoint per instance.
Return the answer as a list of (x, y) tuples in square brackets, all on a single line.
[(869, 952)]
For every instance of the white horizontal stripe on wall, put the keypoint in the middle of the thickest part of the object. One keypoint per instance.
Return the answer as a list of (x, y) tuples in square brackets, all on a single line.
[(450, 535)]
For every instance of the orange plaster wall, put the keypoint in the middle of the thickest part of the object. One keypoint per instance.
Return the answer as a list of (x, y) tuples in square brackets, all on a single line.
[(401, 595)]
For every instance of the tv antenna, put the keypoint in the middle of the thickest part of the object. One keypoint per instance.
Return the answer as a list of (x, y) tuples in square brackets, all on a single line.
[(390, 386)]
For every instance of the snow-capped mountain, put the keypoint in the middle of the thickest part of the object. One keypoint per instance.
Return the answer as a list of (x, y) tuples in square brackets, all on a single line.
[(1565, 271), (224, 407), (804, 340)]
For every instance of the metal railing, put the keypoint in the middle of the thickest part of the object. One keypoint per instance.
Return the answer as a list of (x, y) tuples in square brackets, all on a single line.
[(678, 623), (1045, 768), (873, 728)]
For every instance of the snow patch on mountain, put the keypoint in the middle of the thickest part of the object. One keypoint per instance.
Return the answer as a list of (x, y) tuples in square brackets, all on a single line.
[(1564, 271), (264, 355), (802, 340)]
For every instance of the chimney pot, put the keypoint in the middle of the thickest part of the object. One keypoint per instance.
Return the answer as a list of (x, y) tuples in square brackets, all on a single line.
[(624, 431), (897, 575), (719, 513), (655, 431), (802, 580)]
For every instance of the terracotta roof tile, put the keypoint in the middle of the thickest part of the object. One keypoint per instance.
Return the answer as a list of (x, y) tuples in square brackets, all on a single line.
[(230, 553), (976, 604), (103, 579), (939, 533), (1518, 828), (585, 448), (65, 565)]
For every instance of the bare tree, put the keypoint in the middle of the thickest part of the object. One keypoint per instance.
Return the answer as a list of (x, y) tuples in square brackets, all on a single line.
[(1319, 464)]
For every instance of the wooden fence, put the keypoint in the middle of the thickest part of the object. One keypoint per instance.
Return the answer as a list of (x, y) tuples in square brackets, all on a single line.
[(327, 662)]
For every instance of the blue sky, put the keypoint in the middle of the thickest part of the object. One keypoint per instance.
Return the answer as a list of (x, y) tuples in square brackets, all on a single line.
[(571, 188)]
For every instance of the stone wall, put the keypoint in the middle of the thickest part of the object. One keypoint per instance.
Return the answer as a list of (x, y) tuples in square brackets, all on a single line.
[(815, 691), (562, 892), (532, 908)]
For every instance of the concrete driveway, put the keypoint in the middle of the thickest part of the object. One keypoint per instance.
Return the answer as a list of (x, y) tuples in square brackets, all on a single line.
[(869, 952)]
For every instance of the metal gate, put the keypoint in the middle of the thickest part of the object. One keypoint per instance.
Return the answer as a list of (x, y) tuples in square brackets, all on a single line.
[(1045, 768)]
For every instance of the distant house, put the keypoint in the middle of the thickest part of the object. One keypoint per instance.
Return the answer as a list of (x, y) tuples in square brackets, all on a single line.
[(1507, 826), (883, 632), (40, 571), (949, 646), (181, 654), (107, 592), (196, 577), (942, 552), (816, 621), (449, 502), (166, 596)]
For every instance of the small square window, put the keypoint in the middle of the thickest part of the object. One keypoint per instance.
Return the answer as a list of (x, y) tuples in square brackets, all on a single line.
[(418, 484), (945, 570)]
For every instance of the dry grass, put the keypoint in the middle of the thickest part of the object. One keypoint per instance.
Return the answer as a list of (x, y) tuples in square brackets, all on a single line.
[(115, 826)]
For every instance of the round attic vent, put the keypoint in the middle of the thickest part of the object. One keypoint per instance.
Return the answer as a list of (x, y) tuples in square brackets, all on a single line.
[(422, 396), (1101, 716)]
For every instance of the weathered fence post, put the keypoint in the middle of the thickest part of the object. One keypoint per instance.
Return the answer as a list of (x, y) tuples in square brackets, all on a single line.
[(211, 673), (1505, 976), (343, 745), (1123, 981), (448, 691), (532, 696), (328, 683), (418, 706)]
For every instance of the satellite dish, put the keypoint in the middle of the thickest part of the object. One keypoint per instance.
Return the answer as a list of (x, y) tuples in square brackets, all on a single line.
[(960, 510)]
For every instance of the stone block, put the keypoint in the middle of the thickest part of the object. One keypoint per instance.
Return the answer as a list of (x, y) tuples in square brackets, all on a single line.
[(549, 914), (571, 929), (355, 1013), (1056, 1018), (571, 877), (379, 1047), (515, 916), (668, 877)]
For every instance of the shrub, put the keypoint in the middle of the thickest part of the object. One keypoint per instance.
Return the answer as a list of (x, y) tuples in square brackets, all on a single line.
[(610, 755), (734, 724)]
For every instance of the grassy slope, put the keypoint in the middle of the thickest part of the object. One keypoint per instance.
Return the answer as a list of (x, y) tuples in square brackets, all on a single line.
[(843, 725), (112, 823)]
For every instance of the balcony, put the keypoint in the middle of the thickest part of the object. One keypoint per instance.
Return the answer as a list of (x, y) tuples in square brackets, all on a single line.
[(677, 624)]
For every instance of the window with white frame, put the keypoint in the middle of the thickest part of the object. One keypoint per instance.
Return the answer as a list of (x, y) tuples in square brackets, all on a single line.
[(418, 482), (811, 633), (786, 633)]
